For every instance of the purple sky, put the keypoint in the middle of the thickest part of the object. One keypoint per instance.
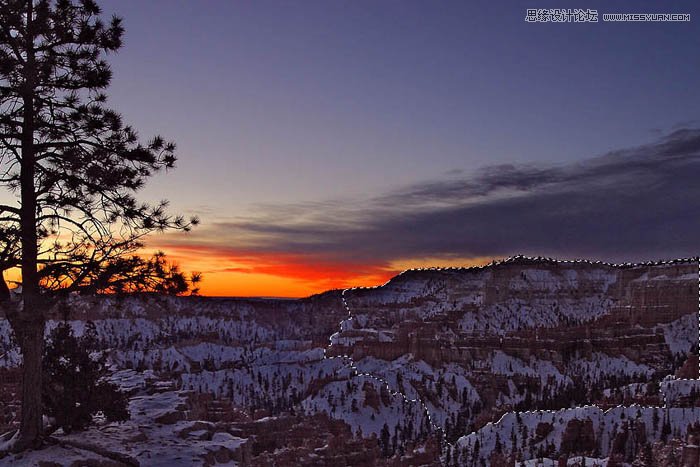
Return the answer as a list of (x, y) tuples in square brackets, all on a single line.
[(294, 112)]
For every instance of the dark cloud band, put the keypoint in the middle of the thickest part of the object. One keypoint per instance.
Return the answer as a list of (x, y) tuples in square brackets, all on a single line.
[(632, 204)]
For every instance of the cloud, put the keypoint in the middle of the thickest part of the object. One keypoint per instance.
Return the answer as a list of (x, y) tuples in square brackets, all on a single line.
[(632, 204)]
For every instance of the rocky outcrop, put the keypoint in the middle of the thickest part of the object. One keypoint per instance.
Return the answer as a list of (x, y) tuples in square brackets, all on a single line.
[(690, 454), (539, 308), (512, 346), (578, 437)]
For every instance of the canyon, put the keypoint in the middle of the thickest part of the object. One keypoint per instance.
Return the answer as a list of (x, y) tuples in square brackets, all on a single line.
[(521, 361)]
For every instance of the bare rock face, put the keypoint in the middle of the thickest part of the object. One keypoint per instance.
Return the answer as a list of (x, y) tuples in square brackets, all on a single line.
[(668, 454), (171, 417), (198, 429), (518, 342), (306, 441), (578, 437), (542, 430), (640, 320), (689, 370), (10, 379), (690, 454), (524, 307), (500, 460), (371, 396)]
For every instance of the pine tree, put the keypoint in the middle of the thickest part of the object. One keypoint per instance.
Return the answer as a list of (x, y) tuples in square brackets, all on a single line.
[(384, 441), (75, 386), (655, 420), (665, 430), (73, 166)]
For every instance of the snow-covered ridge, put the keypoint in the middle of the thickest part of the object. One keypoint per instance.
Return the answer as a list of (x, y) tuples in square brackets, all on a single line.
[(547, 294), (538, 433), (470, 345), (523, 293)]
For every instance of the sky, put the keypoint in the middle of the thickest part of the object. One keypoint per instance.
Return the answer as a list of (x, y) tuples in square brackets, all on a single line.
[(335, 143)]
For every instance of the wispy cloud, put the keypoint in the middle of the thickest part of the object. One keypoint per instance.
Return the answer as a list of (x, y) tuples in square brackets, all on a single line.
[(634, 203)]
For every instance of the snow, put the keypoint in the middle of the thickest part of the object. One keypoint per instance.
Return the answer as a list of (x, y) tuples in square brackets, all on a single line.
[(673, 389), (141, 438), (347, 401), (601, 365), (504, 364), (682, 334), (605, 425), (230, 350), (572, 461)]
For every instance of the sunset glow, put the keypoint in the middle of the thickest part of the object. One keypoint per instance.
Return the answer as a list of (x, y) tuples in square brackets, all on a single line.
[(336, 146), (228, 272)]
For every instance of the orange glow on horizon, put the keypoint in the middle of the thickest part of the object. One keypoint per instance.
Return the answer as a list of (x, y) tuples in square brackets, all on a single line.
[(231, 273), (228, 272)]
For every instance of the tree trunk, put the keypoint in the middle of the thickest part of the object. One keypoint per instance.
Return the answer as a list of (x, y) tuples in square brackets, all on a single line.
[(4, 290), (29, 323), (31, 345)]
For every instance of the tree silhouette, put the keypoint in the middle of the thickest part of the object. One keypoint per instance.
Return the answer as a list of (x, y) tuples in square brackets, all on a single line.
[(73, 167), (75, 386), (384, 441)]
